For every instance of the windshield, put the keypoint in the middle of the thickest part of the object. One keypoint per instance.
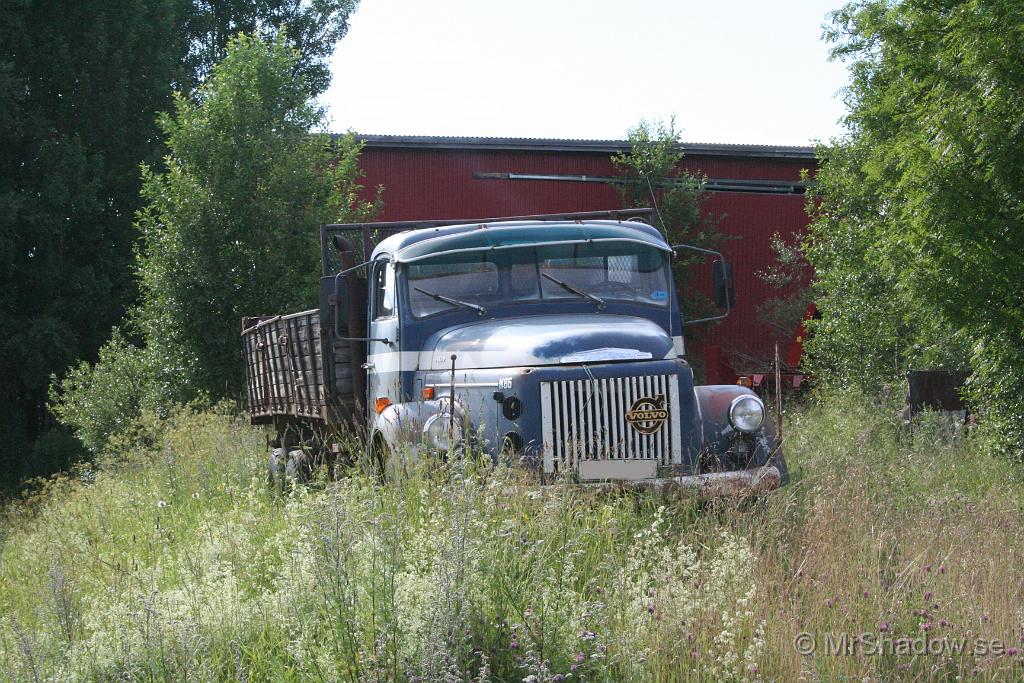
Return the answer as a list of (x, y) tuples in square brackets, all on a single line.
[(598, 273)]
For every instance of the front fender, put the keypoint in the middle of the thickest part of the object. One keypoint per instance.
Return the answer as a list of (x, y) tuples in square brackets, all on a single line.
[(400, 425), (721, 438)]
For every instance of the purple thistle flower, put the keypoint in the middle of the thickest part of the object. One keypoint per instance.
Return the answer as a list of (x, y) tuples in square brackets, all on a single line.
[(514, 644), (1013, 651), (884, 627), (928, 595)]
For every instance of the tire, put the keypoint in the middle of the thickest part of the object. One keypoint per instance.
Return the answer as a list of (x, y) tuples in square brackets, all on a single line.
[(779, 461), (298, 468), (381, 460), (276, 468)]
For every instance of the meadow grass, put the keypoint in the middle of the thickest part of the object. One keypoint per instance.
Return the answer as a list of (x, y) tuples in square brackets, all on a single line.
[(174, 561)]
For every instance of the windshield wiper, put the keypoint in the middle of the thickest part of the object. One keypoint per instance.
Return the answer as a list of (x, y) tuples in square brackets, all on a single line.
[(452, 302), (579, 292)]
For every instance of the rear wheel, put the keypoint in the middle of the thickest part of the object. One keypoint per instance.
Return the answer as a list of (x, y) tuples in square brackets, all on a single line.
[(276, 468), (298, 469)]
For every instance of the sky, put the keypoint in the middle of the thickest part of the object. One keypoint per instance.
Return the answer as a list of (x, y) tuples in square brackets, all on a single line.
[(729, 71)]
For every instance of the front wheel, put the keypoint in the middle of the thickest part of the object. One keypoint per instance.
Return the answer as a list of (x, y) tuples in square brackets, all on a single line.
[(288, 467)]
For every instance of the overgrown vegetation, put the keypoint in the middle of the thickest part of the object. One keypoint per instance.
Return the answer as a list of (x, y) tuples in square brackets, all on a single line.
[(916, 240), (175, 561), (226, 232)]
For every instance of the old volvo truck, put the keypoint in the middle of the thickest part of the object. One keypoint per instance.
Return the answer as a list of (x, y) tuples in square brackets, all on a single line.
[(552, 340)]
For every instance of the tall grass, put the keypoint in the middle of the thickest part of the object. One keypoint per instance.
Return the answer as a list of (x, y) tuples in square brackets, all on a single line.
[(174, 561)]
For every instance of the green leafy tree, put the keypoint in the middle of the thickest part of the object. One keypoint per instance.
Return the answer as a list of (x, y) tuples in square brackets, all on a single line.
[(229, 229), (80, 88), (652, 176), (917, 240), (312, 27)]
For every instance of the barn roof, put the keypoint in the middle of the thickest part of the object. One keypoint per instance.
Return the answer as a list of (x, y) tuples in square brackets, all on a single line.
[(579, 146)]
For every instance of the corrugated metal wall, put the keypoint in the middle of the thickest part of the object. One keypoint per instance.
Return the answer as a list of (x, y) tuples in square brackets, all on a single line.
[(439, 183)]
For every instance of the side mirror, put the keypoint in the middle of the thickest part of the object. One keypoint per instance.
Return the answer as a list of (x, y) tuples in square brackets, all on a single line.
[(725, 294), (721, 271)]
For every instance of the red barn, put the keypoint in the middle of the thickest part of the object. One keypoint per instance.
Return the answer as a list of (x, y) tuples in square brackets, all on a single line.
[(755, 190)]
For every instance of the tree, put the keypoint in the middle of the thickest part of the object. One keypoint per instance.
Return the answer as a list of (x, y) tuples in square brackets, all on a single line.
[(79, 85), (311, 27), (652, 176), (80, 88), (918, 235), (229, 229)]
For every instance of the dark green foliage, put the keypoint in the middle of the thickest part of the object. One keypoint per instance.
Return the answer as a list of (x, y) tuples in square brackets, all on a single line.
[(229, 229), (80, 88), (312, 27), (918, 238), (79, 85), (652, 176)]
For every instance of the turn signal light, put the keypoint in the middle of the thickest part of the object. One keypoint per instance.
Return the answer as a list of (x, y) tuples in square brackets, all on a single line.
[(428, 393), (745, 382), (382, 403)]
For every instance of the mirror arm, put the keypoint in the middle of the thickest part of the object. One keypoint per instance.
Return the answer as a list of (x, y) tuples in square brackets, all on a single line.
[(721, 258)]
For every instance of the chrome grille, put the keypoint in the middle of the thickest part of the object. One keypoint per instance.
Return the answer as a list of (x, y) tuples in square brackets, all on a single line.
[(586, 419)]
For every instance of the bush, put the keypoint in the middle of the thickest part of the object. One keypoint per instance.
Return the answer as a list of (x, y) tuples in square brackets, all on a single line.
[(100, 401)]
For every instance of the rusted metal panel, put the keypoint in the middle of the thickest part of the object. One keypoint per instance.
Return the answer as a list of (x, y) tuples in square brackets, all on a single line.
[(284, 366)]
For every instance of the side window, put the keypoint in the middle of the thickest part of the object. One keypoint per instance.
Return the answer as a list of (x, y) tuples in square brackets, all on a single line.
[(383, 290)]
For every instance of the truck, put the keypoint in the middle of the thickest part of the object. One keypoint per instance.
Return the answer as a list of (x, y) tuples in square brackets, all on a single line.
[(554, 342)]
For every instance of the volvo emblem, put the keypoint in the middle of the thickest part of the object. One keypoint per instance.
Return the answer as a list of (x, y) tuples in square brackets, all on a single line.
[(647, 415)]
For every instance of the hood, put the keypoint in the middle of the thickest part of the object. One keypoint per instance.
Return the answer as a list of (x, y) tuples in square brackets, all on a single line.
[(548, 340)]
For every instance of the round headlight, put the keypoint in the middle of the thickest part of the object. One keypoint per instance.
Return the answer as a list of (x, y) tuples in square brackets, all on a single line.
[(437, 429), (746, 413)]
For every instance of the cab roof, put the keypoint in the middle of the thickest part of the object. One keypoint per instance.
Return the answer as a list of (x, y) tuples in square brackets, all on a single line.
[(425, 242)]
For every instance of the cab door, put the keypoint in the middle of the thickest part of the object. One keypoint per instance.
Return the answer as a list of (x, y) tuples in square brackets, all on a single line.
[(383, 366)]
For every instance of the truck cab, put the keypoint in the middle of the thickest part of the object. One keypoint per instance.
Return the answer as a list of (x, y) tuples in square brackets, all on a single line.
[(555, 342)]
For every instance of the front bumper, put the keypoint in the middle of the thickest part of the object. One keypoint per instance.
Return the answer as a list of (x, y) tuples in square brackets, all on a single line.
[(714, 485)]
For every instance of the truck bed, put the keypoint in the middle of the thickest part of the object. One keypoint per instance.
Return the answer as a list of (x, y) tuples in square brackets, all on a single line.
[(284, 367)]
